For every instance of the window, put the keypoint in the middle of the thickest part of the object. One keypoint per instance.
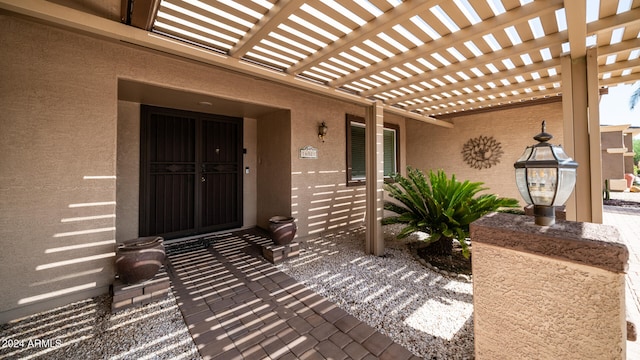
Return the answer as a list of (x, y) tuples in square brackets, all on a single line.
[(356, 174)]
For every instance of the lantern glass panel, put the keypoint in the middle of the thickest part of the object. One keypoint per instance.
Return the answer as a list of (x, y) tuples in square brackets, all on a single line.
[(542, 153), (526, 154), (542, 184), (567, 181), (560, 154), (521, 182)]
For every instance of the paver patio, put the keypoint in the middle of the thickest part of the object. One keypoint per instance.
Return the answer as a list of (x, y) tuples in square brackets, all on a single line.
[(238, 306), (627, 220)]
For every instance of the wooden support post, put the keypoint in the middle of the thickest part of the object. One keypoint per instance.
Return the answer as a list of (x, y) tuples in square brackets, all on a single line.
[(375, 179), (582, 135)]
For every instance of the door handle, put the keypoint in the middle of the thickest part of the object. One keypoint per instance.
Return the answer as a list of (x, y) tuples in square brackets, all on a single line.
[(202, 179)]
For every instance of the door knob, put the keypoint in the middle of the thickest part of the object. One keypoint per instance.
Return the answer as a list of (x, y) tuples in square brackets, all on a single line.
[(203, 179)]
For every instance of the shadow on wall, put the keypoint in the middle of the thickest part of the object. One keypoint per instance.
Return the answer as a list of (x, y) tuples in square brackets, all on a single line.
[(80, 258), (327, 206)]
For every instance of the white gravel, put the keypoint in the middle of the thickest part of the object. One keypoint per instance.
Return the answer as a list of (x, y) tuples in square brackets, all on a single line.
[(625, 195), (428, 313), (87, 330)]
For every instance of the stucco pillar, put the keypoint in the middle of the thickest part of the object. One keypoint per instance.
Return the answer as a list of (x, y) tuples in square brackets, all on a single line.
[(580, 102), (543, 292), (375, 179)]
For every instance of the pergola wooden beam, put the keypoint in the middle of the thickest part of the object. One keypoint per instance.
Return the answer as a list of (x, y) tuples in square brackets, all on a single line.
[(280, 12), (482, 81), (458, 38), (383, 23)]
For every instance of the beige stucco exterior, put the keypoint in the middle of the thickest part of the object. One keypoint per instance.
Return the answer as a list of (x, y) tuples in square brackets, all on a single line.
[(564, 311), (433, 147), (70, 155), (628, 144), (548, 292)]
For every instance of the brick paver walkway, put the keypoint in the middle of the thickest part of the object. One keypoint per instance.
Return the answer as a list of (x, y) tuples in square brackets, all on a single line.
[(238, 306), (627, 220)]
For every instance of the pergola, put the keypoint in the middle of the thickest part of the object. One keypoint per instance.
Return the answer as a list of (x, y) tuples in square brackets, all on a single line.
[(423, 60)]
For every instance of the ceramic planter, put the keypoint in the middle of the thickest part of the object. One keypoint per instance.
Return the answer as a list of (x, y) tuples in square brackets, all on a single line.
[(282, 229), (139, 259)]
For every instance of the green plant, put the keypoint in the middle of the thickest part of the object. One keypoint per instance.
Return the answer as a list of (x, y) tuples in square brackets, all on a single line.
[(441, 206)]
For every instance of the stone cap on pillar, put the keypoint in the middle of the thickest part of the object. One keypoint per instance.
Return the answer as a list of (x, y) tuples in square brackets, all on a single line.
[(588, 244)]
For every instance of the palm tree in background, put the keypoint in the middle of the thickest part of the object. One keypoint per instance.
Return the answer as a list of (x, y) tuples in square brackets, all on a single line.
[(635, 97)]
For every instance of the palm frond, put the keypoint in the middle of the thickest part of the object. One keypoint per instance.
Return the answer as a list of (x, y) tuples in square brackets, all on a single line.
[(635, 97), (440, 205)]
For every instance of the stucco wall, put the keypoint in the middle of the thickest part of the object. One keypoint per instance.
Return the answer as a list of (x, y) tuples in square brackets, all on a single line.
[(128, 171), (541, 308), (433, 147), (548, 292), (273, 167), (628, 159), (58, 161), (612, 139), (321, 199), (59, 147), (628, 165), (612, 166)]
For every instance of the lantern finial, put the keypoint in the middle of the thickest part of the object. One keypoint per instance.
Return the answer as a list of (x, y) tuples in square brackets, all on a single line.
[(544, 136)]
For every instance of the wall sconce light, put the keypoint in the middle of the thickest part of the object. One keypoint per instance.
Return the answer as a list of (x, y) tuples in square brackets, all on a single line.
[(545, 176), (322, 131)]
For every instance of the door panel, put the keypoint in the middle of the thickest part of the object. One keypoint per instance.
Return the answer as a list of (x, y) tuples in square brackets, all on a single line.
[(221, 180), (172, 203), (191, 178)]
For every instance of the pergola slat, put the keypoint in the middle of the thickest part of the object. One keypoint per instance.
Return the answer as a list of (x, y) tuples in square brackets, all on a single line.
[(489, 58), (543, 81), (230, 10), (279, 13), (406, 53), (380, 24), (199, 22), (459, 37)]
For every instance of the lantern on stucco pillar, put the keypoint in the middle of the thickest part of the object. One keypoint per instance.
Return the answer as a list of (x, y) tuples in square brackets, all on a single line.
[(545, 176)]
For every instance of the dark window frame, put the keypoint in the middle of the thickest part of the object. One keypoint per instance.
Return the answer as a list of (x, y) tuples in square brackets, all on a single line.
[(357, 119)]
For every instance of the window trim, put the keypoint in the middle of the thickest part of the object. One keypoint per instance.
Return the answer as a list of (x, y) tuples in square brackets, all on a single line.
[(357, 119)]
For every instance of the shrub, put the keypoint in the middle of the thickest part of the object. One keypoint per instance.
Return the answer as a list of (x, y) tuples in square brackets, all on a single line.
[(441, 206)]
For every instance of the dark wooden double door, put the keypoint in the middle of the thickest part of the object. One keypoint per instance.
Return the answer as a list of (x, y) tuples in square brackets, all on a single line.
[(191, 172)]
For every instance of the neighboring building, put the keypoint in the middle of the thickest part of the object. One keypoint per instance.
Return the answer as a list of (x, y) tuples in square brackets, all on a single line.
[(617, 154), (629, 134)]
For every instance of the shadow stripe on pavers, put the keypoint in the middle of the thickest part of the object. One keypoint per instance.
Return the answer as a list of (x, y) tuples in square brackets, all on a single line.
[(238, 306)]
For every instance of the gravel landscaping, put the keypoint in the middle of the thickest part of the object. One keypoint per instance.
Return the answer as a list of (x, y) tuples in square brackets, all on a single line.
[(87, 330), (428, 313)]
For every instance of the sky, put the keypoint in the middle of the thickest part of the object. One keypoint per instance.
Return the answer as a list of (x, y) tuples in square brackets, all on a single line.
[(614, 107)]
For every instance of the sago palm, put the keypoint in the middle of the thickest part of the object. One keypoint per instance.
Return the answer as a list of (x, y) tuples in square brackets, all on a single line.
[(440, 206)]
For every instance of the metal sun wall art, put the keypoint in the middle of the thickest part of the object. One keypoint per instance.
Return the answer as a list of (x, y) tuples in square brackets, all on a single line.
[(482, 152)]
